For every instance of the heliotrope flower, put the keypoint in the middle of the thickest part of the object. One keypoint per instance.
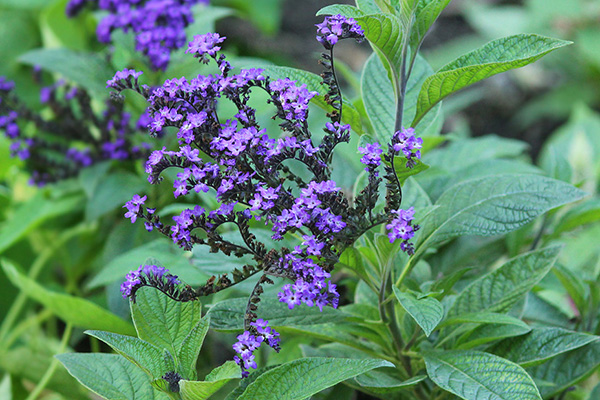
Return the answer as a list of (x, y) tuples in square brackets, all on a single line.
[(337, 27)]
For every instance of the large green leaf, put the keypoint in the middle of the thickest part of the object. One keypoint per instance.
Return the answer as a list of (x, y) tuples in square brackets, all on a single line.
[(314, 83), (149, 358), (474, 375), (112, 192), (89, 70), (80, 312), (164, 322), (426, 311), (302, 378), (228, 315), (566, 370), (492, 205), (499, 290), (541, 344), (385, 34), (201, 390), (33, 213), (497, 56), (110, 376)]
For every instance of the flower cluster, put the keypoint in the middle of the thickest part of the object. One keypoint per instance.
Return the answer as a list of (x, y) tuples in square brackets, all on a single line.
[(159, 25), (405, 142), (249, 173), (248, 342), (337, 27), (401, 227), (69, 135)]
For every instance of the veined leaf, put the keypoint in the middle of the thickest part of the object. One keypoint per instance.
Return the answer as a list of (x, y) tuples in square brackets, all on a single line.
[(427, 12), (489, 333), (368, 6), (201, 390), (499, 290), (190, 348), (146, 356), (541, 344), (313, 83), (492, 205), (110, 376), (474, 375), (385, 34), (302, 378), (427, 312), (380, 382), (164, 322), (493, 58), (483, 318), (566, 370), (80, 312)]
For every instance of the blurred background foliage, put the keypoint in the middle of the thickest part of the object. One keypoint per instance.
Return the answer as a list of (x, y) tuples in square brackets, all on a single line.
[(72, 237)]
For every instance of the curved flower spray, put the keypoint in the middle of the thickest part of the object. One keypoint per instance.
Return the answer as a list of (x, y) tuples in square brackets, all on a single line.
[(245, 168)]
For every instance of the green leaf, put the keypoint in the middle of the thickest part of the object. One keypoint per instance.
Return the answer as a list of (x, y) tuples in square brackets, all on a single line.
[(80, 312), (201, 390), (5, 388), (190, 348), (574, 286), (162, 321), (228, 315), (146, 356), (493, 58), (474, 375), (33, 213), (112, 192), (426, 13), (382, 383), (492, 205), (302, 378), (427, 311), (582, 214), (499, 290), (313, 83), (489, 333), (541, 344), (483, 318), (90, 70), (385, 34), (566, 370), (403, 172), (344, 9), (368, 6), (110, 376)]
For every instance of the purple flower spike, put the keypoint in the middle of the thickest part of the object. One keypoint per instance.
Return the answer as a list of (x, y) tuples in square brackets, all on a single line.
[(401, 227), (205, 44), (149, 275), (404, 141)]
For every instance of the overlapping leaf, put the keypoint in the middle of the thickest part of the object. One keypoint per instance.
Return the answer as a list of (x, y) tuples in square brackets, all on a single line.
[(426, 311)]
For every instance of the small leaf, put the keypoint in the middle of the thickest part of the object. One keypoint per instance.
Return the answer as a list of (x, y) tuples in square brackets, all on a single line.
[(80, 312), (582, 214), (427, 312), (541, 344), (146, 356), (201, 390), (228, 315), (493, 58), (574, 286), (302, 378), (493, 205), (162, 321), (427, 12), (381, 383), (474, 375), (190, 348), (110, 376), (403, 172), (499, 290), (90, 70)]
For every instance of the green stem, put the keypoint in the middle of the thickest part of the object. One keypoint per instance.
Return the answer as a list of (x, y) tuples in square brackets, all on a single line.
[(35, 270), (53, 364)]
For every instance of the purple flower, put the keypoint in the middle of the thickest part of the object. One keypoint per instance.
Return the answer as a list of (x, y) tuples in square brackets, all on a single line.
[(372, 155), (205, 44), (400, 227), (405, 141), (133, 207), (116, 82), (337, 27), (147, 275)]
